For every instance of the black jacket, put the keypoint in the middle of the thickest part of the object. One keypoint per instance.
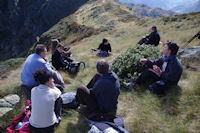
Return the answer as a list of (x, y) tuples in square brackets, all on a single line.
[(153, 38), (173, 70), (103, 47), (58, 60), (106, 90)]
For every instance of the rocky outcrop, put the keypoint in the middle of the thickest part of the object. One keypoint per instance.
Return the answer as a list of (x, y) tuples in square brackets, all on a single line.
[(191, 53), (8, 103), (22, 21)]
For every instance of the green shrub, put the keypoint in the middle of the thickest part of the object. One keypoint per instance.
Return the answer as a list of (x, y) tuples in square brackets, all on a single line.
[(128, 65)]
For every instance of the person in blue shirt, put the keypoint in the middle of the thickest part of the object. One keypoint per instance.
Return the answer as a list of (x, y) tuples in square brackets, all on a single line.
[(37, 61), (102, 98), (162, 73)]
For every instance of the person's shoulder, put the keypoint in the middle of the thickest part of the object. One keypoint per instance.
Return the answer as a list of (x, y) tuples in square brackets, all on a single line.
[(56, 91)]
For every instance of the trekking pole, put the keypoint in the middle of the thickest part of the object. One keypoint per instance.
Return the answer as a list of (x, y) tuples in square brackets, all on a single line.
[(195, 36)]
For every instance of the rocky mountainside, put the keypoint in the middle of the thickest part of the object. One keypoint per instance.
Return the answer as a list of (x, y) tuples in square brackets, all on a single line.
[(22, 21), (145, 10)]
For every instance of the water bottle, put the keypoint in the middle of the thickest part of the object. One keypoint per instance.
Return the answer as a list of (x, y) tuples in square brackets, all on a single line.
[(18, 125)]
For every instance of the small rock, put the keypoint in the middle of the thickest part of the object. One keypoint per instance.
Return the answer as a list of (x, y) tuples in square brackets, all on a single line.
[(8, 103)]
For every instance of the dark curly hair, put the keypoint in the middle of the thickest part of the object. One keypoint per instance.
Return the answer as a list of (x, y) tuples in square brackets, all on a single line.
[(42, 76), (173, 47)]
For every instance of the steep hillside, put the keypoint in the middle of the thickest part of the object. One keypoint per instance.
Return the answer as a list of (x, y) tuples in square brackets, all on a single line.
[(143, 112), (22, 20)]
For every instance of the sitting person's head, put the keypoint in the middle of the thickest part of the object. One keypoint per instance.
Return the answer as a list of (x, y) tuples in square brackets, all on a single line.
[(105, 41), (60, 48), (153, 29), (102, 67), (41, 50), (44, 77), (170, 48)]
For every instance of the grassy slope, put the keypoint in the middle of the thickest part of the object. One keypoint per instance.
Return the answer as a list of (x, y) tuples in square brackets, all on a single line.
[(143, 112)]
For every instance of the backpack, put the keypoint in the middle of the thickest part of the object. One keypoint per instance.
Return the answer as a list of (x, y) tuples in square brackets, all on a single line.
[(69, 101), (74, 67), (21, 122)]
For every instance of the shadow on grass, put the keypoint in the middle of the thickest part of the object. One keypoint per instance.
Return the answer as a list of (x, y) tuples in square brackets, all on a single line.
[(80, 127), (169, 102)]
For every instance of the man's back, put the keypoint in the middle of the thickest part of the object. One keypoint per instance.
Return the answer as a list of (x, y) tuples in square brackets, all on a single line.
[(31, 65), (106, 91)]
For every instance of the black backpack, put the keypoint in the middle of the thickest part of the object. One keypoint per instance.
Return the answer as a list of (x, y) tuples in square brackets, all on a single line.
[(74, 67)]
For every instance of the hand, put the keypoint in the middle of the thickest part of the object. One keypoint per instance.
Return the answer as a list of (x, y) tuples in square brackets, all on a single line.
[(46, 59), (157, 69), (143, 61)]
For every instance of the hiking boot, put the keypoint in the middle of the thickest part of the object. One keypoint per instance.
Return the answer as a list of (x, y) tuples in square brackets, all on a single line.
[(129, 85)]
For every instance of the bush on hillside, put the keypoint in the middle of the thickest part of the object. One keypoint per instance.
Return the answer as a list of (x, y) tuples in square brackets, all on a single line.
[(128, 65)]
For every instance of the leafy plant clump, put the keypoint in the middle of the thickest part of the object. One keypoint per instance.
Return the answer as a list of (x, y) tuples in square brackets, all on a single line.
[(128, 65)]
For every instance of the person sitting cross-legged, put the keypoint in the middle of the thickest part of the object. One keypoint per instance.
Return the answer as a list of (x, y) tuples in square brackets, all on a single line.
[(162, 73), (102, 95), (46, 103), (104, 48)]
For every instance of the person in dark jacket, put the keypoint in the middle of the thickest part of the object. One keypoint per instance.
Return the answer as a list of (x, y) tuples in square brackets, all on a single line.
[(163, 73), (104, 48), (102, 98), (153, 38), (59, 60)]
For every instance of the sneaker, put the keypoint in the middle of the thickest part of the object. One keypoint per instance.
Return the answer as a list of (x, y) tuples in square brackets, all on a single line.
[(129, 80), (58, 120), (129, 85)]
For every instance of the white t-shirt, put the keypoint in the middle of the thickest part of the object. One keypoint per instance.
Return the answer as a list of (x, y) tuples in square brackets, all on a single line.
[(43, 103)]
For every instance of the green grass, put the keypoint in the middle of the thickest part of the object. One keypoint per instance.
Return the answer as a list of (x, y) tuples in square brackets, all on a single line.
[(8, 65), (178, 112)]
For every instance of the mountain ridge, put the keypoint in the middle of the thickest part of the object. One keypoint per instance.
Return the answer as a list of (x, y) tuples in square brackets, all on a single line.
[(22, 21)]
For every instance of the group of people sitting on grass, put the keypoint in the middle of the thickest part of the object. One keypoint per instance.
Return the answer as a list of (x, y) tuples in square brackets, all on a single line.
[(100, 96)]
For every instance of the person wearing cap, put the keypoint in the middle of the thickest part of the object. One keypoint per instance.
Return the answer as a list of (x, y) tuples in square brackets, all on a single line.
[(152, 39), (59, 60), (162, 73)]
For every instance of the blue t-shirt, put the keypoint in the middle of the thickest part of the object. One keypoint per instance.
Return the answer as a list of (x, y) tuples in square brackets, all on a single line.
[(31, 65)]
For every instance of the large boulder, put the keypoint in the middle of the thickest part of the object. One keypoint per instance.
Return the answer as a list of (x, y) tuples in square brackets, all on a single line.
[(8, 103), (191, 53)]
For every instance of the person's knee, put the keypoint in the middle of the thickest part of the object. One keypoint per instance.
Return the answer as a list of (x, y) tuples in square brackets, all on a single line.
[(82, 89)]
